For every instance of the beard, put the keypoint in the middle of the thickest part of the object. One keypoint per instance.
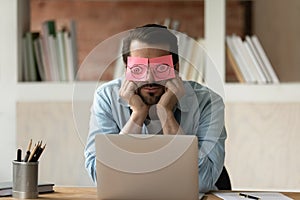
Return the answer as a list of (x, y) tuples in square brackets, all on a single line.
[(151, 97)]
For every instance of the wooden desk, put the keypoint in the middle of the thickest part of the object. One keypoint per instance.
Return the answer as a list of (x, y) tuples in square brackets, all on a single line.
[(90, 193)]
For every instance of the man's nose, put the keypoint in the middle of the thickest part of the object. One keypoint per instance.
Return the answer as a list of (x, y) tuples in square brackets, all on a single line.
[(150, 76)]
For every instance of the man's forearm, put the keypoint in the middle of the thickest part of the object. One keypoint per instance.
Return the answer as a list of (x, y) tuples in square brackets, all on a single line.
[(133, 125), (169, 123)]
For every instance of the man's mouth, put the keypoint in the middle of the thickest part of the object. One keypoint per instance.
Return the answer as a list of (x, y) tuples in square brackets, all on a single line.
[(151, 88), (151, 92)]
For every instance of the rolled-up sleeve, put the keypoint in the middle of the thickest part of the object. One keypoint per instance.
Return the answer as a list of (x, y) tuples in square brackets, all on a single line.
[(211, 141), (101, 122)]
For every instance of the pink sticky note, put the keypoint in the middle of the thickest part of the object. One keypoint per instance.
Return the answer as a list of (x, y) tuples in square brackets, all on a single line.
[(137, 69), (162, 67)]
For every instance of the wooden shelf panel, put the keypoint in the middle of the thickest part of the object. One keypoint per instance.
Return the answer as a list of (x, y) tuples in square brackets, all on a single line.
[(83, 91), (48, 91), (284, 92)]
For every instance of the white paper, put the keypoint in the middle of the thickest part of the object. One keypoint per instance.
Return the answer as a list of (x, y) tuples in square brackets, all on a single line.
[(201, 195), (261, 195)]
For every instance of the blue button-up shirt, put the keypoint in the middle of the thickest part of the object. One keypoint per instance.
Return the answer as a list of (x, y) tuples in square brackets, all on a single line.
[(199, 112)]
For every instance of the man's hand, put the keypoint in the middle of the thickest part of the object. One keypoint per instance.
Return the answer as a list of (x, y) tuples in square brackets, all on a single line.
[(139, 108), (174, 91)]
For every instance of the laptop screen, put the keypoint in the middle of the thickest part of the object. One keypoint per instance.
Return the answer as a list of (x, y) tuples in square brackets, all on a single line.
[(147, 166)]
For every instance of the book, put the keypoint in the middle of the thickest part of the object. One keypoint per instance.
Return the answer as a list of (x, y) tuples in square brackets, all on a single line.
[(249, 61), (61, 55), (119, 64), (6, 188), (31, 57), (29, 70), (234, 65), (25, 65), (254, 56), (197, 62), (258, 59), (48, 29), (237, 41), (188, 56), (39, 58), (58, 51), (69, 56), (167, 22), (236, 61), (265, 60), (182, 43), (73, 38), (175, 25), (185, 53), (54, 57)]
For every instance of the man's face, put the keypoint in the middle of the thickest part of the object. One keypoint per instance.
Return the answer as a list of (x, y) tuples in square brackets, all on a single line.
[(149, 89)]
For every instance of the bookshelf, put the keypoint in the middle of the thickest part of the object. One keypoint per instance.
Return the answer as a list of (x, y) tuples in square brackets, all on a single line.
[(276, 33), (263, 27), (214, 22)]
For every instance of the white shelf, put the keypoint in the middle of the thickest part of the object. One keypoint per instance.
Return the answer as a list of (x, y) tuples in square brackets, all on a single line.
[(55, 91), (284, 92), (84, 91)]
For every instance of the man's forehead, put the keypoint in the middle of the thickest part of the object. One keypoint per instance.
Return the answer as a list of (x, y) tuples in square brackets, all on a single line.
[(167, 59), (138, 46)]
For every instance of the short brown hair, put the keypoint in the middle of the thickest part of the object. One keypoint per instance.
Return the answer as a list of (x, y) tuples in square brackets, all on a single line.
[(151, 34)]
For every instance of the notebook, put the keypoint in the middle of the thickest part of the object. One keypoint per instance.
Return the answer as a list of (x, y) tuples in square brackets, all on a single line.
[(142, 167), (6, 188)]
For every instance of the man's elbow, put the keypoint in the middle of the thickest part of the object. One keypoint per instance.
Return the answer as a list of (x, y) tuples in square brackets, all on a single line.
[(91, 167), (208, 177), (206, 185)]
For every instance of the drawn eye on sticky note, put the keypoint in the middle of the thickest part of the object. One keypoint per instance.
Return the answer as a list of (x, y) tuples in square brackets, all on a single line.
[(162, 67), (137, 69)]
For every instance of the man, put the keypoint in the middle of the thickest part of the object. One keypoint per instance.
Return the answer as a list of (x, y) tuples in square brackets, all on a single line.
[(153, 99)]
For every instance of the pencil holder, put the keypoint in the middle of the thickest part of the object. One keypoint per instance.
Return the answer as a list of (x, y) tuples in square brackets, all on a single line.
[(25, 180)]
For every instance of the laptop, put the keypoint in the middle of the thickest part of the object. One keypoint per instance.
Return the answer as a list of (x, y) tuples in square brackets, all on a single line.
[(147, 167)]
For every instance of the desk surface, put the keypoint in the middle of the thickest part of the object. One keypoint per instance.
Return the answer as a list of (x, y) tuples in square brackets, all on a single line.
[(90, 193)]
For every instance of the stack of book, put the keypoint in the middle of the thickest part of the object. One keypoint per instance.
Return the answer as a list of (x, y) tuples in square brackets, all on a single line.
[(192, 55), (50, 55), (6, 188), (192, 58), (249, 60)]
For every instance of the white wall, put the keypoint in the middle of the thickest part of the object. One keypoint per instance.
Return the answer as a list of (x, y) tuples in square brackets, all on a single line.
[(263, 145), (8, 63), (65, 136)]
